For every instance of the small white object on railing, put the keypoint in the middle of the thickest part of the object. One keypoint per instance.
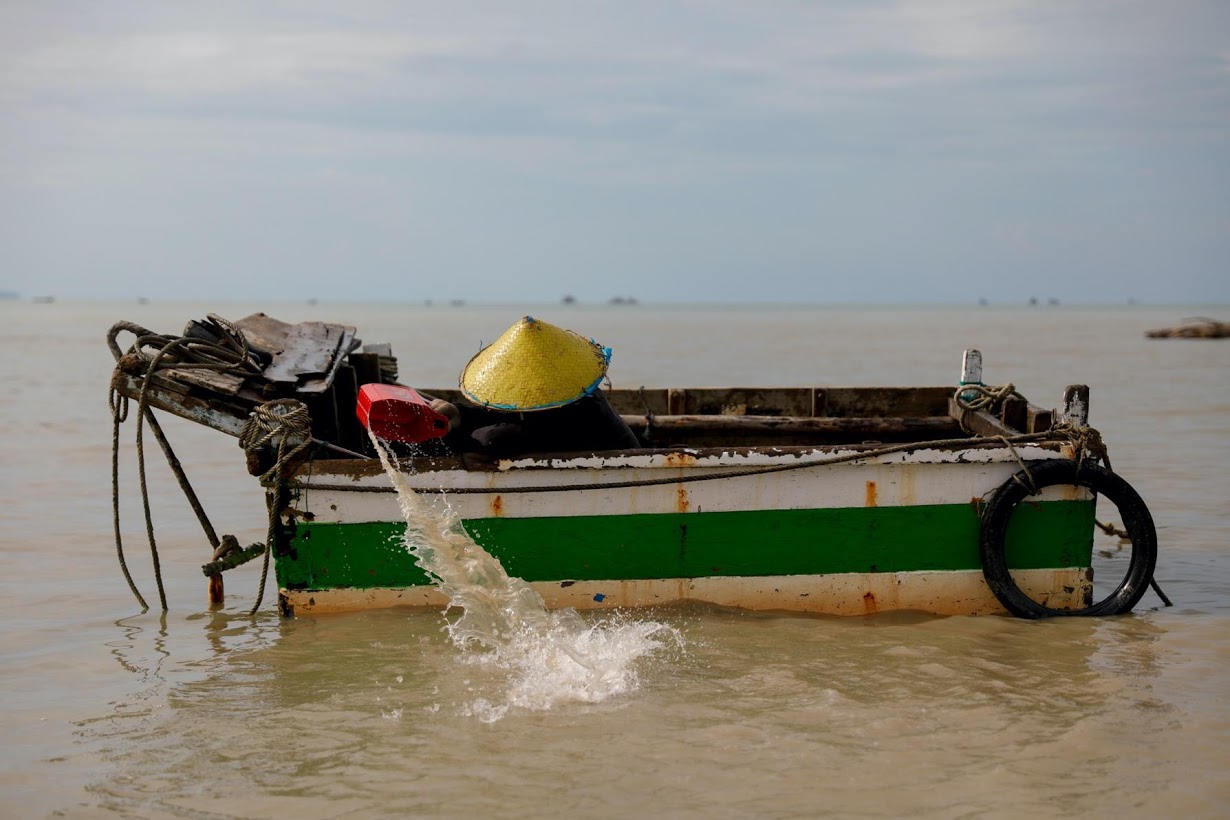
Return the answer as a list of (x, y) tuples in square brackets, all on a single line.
[(971, 367), (971, 370), (1076, 404)]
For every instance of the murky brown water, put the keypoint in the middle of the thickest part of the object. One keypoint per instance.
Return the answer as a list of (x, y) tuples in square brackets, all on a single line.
[(108, 712)]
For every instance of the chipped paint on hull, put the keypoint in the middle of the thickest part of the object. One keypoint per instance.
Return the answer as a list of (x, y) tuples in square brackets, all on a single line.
[(862, 540), (905, 525), (940, 593), (846, 485)]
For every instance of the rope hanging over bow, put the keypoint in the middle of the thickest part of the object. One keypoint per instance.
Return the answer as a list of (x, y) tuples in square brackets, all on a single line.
[(286, 426), (217, 347)]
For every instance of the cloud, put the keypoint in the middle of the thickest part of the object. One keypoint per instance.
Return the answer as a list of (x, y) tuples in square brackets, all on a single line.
[(720, 136), (186, 65)]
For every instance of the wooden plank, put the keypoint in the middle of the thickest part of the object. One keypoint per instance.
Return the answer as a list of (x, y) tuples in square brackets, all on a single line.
[(1013, 413), (227, 384), (386, 363), (636, 400), (819, 402), (350, 433), (1038, 420), (158, 379), (317, 383), (313, 352), (213, 412), (323, 412), (742, 401), (264, 332), (857, 402), (716, 430), (308, 350), (784, 425), (888, 401), (676, 400), (977, 422), (366, 367), (852, 402), (305, 355)]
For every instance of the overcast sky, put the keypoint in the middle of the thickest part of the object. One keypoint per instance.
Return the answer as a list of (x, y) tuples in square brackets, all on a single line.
[(668, 150)]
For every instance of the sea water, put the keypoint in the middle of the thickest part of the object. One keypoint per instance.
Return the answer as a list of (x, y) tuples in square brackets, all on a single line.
[(111, 712), (502, 622)]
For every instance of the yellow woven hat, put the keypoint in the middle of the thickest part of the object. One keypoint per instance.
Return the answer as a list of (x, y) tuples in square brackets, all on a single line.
[(534, 366)]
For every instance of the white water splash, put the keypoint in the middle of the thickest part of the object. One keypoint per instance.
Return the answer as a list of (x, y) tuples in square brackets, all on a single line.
[(552, 657)]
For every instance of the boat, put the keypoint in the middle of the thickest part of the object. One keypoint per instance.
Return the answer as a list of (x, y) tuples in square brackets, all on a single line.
[(1195, 328), (960, 499)]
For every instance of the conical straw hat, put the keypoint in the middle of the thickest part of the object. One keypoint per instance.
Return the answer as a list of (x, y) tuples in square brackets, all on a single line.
[(534, 366)]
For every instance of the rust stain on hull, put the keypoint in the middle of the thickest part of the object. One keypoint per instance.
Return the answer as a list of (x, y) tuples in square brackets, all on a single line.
[(872, 494), (680, 460), (497, 506), (941, 593), (682, 502)]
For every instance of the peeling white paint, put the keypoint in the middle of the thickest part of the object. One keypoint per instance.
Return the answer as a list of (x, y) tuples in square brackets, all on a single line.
[(911, 483)]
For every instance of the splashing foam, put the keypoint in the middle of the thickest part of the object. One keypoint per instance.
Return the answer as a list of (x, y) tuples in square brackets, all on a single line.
[(553, 657)]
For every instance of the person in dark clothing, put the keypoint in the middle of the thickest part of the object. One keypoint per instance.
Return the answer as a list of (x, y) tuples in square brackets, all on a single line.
[(535, 390), (588, 424)]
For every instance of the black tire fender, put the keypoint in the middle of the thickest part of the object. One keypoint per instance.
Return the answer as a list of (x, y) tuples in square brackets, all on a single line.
[(1137, 522)]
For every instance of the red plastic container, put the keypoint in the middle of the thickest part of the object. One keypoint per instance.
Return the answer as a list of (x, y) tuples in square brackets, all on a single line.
[(398, 414)]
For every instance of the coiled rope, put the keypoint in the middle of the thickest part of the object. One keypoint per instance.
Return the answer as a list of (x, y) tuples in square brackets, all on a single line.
[(150, 353), (280, 422), (984, 398), (286, 424)]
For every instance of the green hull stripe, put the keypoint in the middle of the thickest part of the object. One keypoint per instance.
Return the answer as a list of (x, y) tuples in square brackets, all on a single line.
[(692, 545)]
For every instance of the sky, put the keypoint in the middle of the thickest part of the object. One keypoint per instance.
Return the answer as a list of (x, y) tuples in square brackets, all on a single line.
[(669, 150)]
